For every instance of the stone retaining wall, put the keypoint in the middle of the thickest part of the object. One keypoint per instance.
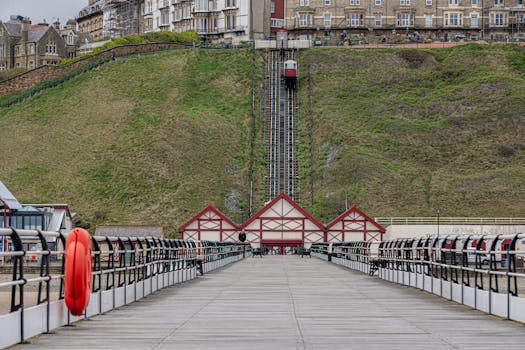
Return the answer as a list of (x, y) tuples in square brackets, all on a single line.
[(43, 73)]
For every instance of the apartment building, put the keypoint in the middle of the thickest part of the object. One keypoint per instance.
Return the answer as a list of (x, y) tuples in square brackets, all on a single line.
[(229, 20), (90, 19), (442, 19)]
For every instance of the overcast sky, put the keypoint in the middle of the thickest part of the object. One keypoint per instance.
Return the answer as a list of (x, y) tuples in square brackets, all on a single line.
[(38, 10)]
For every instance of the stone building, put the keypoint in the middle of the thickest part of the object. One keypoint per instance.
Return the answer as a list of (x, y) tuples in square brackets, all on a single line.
[(24, 45), (90, 19), (441, 19), (229, 20)]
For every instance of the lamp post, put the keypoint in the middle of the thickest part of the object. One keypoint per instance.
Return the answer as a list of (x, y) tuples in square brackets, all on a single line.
[(438, 217)]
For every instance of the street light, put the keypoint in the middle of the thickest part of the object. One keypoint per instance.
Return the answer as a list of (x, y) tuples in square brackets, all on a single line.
[(438, 216)]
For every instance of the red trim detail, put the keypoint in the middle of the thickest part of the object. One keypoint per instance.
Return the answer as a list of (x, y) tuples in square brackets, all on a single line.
[(355, 209), (258, 214), (202, 212)]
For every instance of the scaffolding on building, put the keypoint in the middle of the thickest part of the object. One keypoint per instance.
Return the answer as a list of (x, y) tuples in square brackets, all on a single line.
[(121, 17)]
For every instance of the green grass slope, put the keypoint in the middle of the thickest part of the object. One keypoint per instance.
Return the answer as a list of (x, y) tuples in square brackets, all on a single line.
[(146, 140), (405, 132)]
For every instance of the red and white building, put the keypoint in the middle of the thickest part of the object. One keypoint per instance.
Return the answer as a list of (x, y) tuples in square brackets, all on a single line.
[(354, 225), (281, 225), (210, 225)]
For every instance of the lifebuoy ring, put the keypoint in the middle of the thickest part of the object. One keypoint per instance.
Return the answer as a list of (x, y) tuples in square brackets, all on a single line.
[(77, 276)]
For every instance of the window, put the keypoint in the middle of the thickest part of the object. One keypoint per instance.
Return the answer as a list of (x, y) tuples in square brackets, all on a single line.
[(17, 51), (165, 18), (474, 3), (404, 2), (327, 2), (498, 19), (304, 2), (428, 20), (453, 2), (51, 47), (474, 20), (2, 50), (2, 67), (498, 2), (405, 19), (305, 19), (377, 2), (453, 19), (520, 18), (520, 2), (327, 20), (355, 2), (428, 2), (272, 7), (355, 19), (377, 20)]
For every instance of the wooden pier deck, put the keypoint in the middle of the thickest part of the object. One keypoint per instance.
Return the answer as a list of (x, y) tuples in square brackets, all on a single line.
[(286, 302)]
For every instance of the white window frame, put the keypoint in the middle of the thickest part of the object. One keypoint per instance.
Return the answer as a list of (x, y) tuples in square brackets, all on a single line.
[(327, 2), (476, 16), (327, 20), (453, 2), (428, 2), (377, 2), (378, 20), (429, 20), (304, 2)]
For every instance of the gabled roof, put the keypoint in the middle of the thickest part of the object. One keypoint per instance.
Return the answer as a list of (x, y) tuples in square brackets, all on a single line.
[(285, 197), (204, 211), (13, 28), (37, 32), (130, 231), (355, 209), (8, 198)]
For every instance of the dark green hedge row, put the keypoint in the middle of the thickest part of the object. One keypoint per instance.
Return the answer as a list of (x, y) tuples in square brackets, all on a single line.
[(18, 97)]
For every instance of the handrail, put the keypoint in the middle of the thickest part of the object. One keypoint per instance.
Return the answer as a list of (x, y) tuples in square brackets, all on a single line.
[(127, 268), (432, 220), (485, 272)]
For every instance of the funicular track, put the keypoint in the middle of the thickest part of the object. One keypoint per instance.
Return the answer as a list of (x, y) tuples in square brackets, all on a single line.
[(281, 161)]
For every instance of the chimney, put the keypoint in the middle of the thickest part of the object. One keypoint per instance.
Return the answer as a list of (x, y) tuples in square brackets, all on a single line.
[(57, 24), (26, 24)]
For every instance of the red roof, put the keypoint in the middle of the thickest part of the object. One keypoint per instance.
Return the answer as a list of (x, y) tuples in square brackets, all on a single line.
[(353, 209), (289, 200), (202, 212)]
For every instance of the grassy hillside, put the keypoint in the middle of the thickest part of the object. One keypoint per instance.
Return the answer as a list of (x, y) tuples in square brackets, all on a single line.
[(404, 132), (148, 139), (151, 139)]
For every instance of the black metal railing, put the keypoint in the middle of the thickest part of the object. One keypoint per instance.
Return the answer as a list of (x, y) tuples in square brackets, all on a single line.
[(124, 269)]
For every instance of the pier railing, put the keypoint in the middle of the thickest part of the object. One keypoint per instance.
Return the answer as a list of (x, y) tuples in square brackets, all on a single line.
[(484, 272), (125, 269)]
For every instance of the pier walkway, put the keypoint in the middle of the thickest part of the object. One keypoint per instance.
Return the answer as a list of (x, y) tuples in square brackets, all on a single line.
[(287, 302)]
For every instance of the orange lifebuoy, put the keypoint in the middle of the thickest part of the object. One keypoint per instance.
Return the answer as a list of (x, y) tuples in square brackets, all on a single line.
[(77, 276)]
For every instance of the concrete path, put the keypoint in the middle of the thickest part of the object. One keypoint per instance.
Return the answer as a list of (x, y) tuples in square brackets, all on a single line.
[(288, 303)]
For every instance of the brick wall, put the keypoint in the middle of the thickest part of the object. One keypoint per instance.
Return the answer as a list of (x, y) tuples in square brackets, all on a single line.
[(35, 76)]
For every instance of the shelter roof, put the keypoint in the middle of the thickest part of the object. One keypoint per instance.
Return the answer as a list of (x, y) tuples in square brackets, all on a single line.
[(293, 203), (351, 210), (130, 231), (211, 208), (7, 197)]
